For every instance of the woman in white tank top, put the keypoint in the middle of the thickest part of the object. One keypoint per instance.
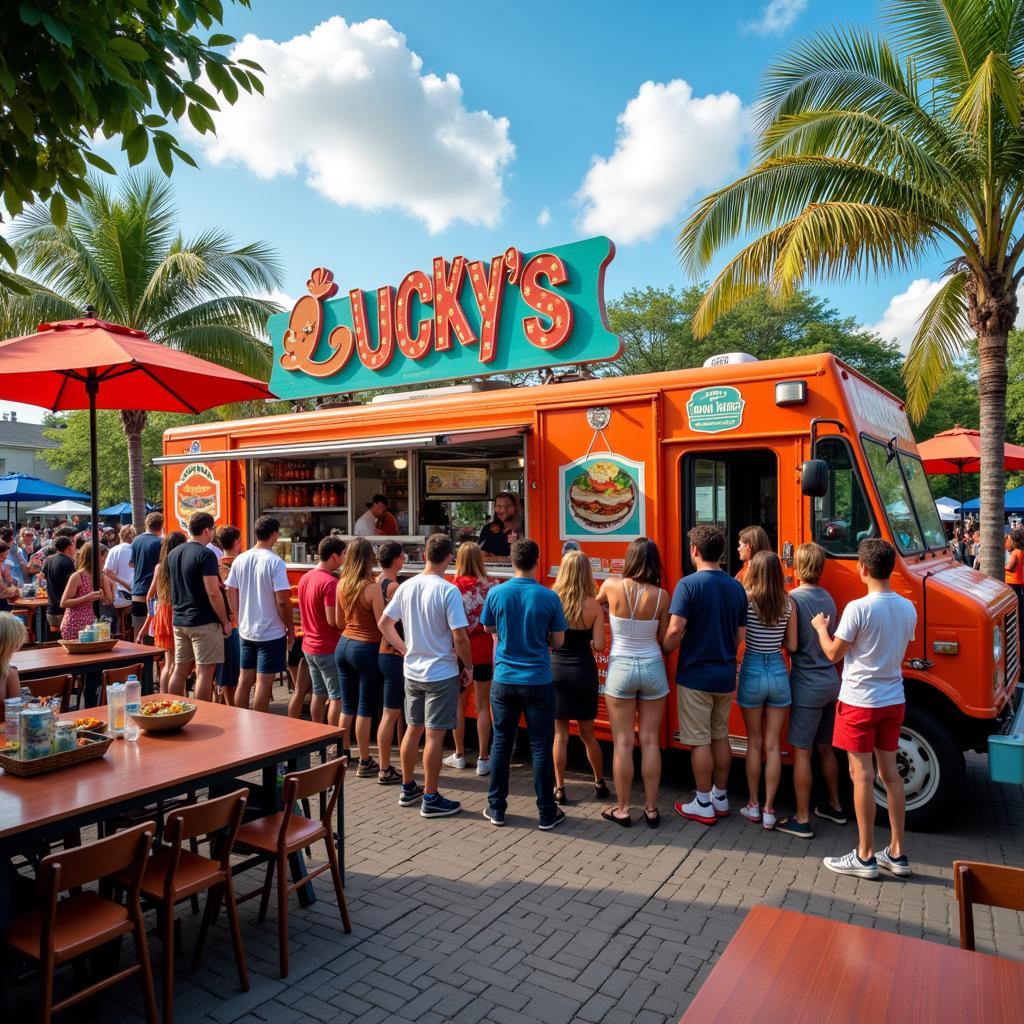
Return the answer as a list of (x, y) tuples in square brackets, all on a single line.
[(635, 685)]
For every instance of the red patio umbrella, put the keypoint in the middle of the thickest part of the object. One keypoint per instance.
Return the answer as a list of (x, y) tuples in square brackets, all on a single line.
[(959, 451), (91, 364)]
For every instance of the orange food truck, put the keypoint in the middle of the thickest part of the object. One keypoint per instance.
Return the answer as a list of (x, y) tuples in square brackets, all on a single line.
[(807, 447)]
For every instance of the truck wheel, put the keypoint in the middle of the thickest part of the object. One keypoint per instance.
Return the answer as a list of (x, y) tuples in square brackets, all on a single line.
[(932, 766)]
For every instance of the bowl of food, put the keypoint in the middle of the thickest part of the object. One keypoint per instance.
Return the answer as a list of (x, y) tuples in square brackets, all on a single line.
[(164, 715), (90, 724)]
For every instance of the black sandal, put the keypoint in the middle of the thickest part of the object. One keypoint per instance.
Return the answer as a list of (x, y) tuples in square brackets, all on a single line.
[(560, 797), (600, 790), (653, 818), (626, 822), (389, 776)]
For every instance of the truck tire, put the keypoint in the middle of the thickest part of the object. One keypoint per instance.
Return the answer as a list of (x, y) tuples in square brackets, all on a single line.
[(932, 765)]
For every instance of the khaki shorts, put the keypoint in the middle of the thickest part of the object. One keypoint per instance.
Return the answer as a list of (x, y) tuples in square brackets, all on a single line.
[(703, 717), (203, 645)]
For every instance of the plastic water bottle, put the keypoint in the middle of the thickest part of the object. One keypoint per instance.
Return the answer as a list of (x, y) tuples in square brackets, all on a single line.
[(132, 706)]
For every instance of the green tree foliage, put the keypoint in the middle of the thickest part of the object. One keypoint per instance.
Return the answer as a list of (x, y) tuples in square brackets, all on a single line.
[(873, 154), (71, 430), (123, 254), (72, 70)]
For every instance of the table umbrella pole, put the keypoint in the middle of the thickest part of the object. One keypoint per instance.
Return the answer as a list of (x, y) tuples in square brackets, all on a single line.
[(92, 386)]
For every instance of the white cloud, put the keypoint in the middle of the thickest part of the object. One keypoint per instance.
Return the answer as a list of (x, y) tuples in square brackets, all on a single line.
[(899, 322), (284, 300), (671, 146), (777, 16), (349, 106), (544, 217)]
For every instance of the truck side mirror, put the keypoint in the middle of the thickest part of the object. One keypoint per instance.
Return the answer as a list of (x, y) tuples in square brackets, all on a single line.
[(814, 478)]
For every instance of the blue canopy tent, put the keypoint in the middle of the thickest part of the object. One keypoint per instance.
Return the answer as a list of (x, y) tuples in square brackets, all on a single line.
[(16, 488), (1014, 502), (122, 510)]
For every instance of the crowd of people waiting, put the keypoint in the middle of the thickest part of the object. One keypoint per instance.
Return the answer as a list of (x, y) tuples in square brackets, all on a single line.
[(419, 648)]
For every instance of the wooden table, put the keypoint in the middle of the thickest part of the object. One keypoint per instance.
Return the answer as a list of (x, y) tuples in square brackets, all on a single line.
[(38, 662), (37, 605), (793, 968), (218, 745)]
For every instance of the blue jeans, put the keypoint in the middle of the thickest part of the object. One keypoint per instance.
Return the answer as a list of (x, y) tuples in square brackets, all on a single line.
[(392, 668), (537, 703), (361, 680)]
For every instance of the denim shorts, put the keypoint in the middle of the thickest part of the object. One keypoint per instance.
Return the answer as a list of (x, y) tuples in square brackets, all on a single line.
[(642, 678), (763, 680), (361, 681), (433, 704), (323, 675), (266, 656), (392, 668)]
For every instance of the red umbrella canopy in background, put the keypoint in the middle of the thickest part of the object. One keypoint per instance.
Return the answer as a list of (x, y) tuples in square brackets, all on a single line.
[(91, 364), (959, 451), (53, 368)]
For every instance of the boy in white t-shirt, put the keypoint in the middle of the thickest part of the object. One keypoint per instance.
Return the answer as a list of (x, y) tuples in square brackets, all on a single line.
[(872, 635)]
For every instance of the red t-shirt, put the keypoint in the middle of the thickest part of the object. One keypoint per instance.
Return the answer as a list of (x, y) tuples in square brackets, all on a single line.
[(316, 593), (474, 592)]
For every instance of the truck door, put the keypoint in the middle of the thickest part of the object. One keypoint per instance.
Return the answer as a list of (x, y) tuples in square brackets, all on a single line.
[(730, 490)]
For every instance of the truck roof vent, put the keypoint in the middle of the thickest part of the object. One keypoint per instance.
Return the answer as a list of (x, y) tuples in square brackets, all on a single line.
[(728, 358)]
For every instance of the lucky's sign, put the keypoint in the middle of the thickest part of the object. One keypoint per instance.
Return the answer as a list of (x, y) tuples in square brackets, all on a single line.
[(518, 311)]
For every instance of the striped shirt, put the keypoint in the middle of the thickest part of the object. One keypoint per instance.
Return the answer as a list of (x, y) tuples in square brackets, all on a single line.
[(763, 639)]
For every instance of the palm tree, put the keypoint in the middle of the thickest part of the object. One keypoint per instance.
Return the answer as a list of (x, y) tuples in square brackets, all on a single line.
[(123, 255), (872, 155)]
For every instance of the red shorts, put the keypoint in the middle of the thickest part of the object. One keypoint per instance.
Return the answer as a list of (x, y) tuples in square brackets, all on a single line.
[(865, 730)]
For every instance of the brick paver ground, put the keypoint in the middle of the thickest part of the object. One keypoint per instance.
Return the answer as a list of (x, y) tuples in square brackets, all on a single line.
[(456, 920)]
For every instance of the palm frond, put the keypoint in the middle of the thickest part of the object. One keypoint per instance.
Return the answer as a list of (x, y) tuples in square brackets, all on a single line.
[(832, 239), (244, 311), (942, 331), (780, 188), (994, 81), (228, 345), (22, 314), (946, 39)]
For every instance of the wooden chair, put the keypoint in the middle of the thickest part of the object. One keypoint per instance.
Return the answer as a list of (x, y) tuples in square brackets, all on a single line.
[(174, 873), (280, 835), (117, 675), (60, 930), (29, 622), (993, 885), (53, 686)]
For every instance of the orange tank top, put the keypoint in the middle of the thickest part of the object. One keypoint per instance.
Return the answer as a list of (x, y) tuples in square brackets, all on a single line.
[(360, 622), (1015, 576)]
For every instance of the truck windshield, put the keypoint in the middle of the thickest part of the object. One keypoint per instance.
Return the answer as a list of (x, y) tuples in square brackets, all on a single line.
[(906, 498)]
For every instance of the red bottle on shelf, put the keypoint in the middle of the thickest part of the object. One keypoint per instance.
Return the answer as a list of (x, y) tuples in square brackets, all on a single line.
[(316, 497)]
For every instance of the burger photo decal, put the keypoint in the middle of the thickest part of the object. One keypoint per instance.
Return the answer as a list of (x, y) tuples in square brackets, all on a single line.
[(602, 497)]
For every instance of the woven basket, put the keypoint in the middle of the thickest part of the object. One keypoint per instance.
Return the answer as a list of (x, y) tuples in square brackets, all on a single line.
[(95, 647), (51, 763)]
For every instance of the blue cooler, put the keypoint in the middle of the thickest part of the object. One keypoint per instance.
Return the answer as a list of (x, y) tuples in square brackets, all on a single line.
[(1006, 758), (1006, 752)]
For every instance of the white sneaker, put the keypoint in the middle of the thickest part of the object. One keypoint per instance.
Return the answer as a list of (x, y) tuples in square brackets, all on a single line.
[(897, 865), (752, 812), (483, 766), (720, 804), (768, 820), (851, 864), (454, 761)]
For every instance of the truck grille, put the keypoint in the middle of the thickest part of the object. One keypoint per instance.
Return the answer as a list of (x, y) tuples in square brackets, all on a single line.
[(1010, 630)]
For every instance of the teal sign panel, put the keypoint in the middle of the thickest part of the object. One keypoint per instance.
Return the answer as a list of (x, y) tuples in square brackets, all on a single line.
[(715, 410), (458, 318)]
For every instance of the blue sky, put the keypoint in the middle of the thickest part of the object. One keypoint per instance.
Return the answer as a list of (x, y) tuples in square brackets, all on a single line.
[(549, 134)]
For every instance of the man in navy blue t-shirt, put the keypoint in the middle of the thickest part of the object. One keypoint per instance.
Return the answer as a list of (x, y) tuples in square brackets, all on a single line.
[(528, 620), (706, 623)]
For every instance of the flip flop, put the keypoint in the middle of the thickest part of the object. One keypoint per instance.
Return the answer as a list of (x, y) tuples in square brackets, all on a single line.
[(612, 816)]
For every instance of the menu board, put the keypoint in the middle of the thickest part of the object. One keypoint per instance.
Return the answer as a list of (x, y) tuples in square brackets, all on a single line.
[(456, 481)]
